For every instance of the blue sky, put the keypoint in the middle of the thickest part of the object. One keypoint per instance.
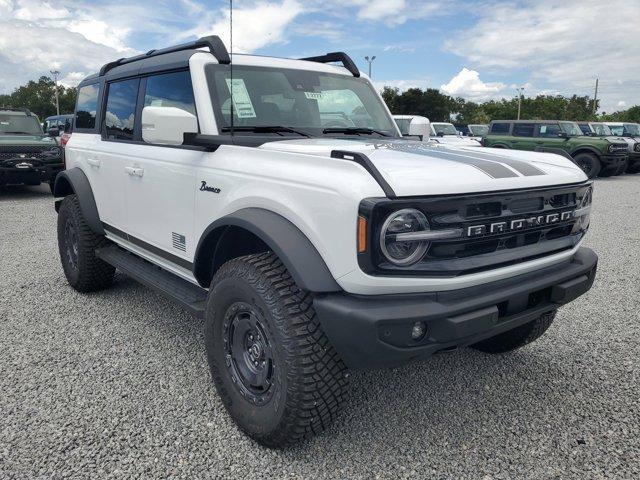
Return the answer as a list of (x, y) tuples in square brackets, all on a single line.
[(474, 49)]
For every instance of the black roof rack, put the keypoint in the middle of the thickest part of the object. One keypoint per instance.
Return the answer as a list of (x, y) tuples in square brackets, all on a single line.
[(213, 42), (336, 57), (26, 111)]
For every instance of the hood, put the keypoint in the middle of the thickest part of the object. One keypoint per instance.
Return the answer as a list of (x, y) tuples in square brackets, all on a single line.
[(26, 140), (416, 168)]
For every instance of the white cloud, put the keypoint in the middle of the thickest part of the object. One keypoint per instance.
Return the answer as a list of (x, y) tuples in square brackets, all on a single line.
[(392, 12), (101, 32), (466, 83), (563, 44), (255, 25), (622, 103), (403, 84)]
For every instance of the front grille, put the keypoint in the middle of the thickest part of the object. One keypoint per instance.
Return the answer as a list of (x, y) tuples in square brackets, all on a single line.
[(498, 229), (618, 148), (30, 151)]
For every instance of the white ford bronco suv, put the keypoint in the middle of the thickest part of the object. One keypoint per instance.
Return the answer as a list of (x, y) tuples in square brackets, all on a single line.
[(277, 199)]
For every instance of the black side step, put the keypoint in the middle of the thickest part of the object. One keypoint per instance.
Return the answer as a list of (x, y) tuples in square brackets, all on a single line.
[(192, 297)]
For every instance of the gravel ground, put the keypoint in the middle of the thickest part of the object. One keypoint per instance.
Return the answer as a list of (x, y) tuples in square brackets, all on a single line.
[(115, 384)]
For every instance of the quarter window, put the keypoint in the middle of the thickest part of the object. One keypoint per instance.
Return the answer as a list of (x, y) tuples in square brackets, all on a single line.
[(549, 130), (121, 109), (523, 130), (86, 106), (500, 127), (170, 90)]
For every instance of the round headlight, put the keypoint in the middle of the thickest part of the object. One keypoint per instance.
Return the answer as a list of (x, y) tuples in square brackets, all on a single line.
[(397, 251), (637, 147)]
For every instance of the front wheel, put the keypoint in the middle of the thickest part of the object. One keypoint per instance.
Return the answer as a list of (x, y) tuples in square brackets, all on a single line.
[(275, 371), (589, 163), (518, 337)]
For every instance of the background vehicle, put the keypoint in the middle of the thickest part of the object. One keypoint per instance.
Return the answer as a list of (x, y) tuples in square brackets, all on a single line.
[(602, 130), (309, 249), (477, 131), (630, 132), (407, 122), (61, 122), (596, 156), (27, 155)]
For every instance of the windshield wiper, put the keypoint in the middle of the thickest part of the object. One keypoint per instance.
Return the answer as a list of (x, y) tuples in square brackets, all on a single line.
[(265, 129), (19, 133), (356, 130)]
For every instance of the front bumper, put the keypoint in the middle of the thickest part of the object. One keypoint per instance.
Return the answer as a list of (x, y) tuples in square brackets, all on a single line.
[(612, 161), (29, 171), (634, 160), (375, 332)]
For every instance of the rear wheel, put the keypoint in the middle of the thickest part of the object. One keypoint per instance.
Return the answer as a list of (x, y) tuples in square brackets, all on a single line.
[(518, 337), (275, 371), (77, 244), (589, 163)]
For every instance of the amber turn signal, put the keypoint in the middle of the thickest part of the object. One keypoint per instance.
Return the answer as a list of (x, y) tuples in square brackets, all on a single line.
[(362, 234)]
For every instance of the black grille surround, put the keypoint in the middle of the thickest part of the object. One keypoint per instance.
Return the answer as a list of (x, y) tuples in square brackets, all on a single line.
[(475, 252), (40, 152)]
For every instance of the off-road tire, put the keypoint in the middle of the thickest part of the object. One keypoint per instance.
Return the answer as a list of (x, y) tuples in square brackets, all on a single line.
[(518, 337), (589, 163), (622, 168), (309, 380), (88, 273)]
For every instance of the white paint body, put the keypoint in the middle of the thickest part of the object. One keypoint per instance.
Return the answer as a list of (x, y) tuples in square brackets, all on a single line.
[(151, 191)]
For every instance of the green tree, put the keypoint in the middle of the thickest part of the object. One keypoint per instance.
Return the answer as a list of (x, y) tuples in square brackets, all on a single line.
[(39, 97)]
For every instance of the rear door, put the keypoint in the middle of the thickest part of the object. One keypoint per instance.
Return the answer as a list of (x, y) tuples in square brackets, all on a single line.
[(523, 136)]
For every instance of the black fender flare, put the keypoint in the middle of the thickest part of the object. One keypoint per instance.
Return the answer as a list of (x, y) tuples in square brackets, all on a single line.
[(589, 148), (75, 181), (292, 247)]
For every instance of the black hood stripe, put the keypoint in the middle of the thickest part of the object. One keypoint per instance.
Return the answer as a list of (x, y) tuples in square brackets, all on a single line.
[(525, 168)]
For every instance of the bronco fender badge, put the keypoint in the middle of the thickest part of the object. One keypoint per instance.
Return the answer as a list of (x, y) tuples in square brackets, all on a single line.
[(205, 188)]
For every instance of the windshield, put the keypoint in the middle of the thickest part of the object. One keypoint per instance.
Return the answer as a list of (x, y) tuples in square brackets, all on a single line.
[(19, 124), (602, 130), (444, 128), (479, 130), (571, 128), (312, 103)]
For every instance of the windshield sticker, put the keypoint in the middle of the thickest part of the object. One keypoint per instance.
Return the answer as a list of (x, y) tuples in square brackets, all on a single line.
[(241, 99), (313, 95)]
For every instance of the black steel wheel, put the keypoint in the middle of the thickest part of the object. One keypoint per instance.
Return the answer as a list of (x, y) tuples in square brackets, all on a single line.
[(248, 352), (77, 244), (589, 163)]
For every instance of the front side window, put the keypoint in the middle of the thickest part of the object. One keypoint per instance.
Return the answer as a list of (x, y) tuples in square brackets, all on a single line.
[(571, 128), (312, 103), (444, 129), (632, 129), (479, 130), (86, 106), (523, 130), (602, 130), (121, 109), (585, 128), (170, 90), (549, 130), (19, 124)]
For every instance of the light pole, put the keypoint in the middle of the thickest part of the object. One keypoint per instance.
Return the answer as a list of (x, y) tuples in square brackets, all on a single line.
[(520, 92), (55, 74), (370, 61)]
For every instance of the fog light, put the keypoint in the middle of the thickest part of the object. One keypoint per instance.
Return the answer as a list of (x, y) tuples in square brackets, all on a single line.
[(418, 330)]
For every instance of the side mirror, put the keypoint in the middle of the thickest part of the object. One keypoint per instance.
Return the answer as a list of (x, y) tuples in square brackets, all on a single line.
[(53, 132), (563, 135), (167, 125), (419, 127)]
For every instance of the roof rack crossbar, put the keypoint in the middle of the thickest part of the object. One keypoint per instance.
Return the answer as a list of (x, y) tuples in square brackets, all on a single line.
[(212, 42), (26, 111), (336, 57)]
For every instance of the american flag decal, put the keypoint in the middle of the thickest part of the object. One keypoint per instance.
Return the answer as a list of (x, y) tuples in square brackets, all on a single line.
[(179, 241)]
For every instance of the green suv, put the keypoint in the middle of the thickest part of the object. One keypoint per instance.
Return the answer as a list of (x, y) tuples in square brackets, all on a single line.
[(594, 155), (28, 156)]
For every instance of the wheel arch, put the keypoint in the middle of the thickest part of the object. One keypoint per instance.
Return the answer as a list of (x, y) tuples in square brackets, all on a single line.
[(252, 230), (74, 181), (586, 149)]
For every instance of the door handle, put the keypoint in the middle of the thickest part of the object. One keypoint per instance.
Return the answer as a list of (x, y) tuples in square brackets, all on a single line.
[(134, 171), (94, 163)]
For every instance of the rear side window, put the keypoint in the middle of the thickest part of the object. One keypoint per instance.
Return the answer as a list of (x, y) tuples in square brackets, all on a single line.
[(170, 90), (121, 109), (523, 130), (585, 128), (500, 127), (549, 130), (86, 106)]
